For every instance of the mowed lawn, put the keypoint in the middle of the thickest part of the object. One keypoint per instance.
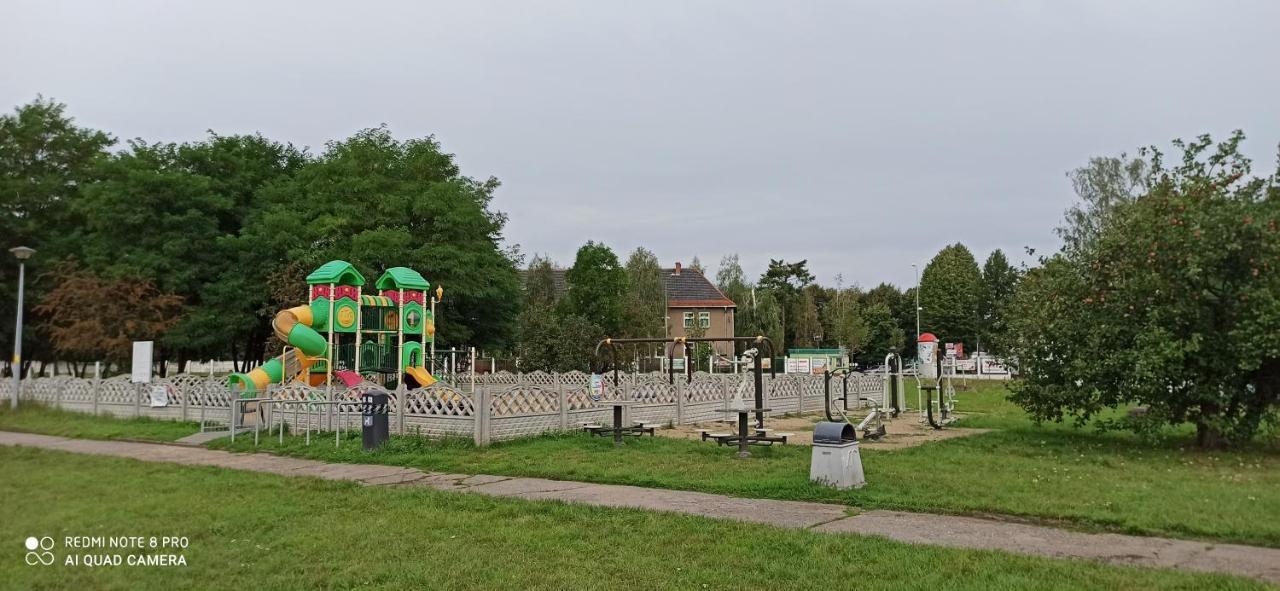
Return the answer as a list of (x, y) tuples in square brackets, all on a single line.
[(1045, 473), (35, 418), (258, 531)]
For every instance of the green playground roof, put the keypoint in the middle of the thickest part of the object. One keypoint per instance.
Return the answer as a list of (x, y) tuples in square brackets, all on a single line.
[(338, 272), (815, 351), (402, 278)]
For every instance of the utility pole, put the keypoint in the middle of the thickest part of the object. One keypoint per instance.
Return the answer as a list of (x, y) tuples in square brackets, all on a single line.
[(917, 271)]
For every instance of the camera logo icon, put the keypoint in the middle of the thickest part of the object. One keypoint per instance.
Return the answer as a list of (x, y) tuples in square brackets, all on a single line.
[(38, 551)]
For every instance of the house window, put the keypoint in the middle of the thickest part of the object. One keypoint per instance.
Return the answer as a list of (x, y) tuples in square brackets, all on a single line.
[(704, 319), (688, 319)]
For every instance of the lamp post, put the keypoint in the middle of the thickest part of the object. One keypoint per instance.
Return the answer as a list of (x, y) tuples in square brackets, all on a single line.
[(917, 270), (439, 295), (22, 253)]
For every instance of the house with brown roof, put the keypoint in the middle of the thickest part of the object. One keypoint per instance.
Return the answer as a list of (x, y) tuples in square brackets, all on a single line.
[(695, 304)]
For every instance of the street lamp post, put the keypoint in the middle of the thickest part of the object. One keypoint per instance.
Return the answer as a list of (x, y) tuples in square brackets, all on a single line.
[(439, 295), (917, 270), (22, 253)]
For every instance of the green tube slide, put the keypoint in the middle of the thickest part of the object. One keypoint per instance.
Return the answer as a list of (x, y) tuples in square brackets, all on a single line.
[(307, 340)]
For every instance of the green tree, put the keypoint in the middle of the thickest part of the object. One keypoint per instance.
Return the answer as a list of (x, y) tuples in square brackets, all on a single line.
[(732, 281), (999, 281), (883, 334), (949, 291), (697, 265), (538, 326), (46, 160), (784, 281), (1174, 306), (644, 304), (807, 329), (1102, 186), (379, 202), (597, 284), (848, 327)]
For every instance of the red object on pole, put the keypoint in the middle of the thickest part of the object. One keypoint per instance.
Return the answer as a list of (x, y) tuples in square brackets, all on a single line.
[(927, 337)]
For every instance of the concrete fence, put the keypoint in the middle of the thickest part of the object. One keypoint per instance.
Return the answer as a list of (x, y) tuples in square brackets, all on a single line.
[(497, 406)]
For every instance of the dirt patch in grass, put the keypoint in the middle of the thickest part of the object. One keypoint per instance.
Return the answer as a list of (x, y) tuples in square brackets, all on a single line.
[(902, 432)]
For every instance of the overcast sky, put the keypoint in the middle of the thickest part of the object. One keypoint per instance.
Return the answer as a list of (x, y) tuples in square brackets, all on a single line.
[(860, 136)]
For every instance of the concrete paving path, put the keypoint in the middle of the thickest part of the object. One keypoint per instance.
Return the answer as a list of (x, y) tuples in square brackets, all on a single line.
[(917, 528)]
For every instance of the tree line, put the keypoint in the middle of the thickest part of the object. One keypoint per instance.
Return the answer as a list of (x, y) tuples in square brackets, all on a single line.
[(1164, 296), (196, 245), (601, 295)]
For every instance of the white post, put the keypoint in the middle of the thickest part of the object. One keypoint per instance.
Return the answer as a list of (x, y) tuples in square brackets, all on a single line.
[(17, 331), (328, 370), (359, 325), (400, 335), (97, 382)]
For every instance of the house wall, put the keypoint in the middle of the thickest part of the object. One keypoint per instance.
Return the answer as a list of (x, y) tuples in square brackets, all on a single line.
[(721, 325)]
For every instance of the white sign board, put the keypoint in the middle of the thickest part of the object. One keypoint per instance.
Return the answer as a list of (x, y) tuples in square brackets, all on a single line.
[(141, 373), (159, 396), (992, 366), (798, 365)]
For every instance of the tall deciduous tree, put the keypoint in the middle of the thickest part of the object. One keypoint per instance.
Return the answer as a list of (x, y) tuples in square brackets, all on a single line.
[(379, 202), (1175, 305), (643, 307), (90, 318), (1102, 185), (949, 291), (784, 281), (46, 160), (597, 283), (999, 281)]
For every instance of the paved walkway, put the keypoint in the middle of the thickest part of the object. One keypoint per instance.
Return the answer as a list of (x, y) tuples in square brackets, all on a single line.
[(942, 530)]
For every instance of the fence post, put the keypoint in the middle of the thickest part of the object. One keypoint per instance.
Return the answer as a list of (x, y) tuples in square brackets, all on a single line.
[(97, 385), (628, 393), (564, 403), (184, 395), (725, 388), (480, 402), (680, 395), (800, 386), (57, 398), (401, 393), (137, 399)]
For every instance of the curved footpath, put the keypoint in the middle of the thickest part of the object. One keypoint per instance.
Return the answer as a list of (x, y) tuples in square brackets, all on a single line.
[(919, 528)]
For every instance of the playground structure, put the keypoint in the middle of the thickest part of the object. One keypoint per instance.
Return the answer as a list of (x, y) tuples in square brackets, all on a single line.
[(350, 335)]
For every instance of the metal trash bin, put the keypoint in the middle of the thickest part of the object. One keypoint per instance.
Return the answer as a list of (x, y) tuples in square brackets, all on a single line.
[(373, 419), (836, 461)]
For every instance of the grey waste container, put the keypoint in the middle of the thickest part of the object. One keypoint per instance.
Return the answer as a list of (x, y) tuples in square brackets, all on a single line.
[(836, 461), (373, 420)]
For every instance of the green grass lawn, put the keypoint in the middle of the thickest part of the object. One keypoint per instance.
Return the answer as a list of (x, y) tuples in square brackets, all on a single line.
[(34, 418), (1048, 473), (258, 531)]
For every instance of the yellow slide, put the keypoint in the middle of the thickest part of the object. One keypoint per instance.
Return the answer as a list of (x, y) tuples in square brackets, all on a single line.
[(420, 375)]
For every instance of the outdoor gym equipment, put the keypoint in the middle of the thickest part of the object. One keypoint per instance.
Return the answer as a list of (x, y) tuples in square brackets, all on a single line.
[(930, 379), (353, 336), (893, 385), (746, 435), (872, 425)]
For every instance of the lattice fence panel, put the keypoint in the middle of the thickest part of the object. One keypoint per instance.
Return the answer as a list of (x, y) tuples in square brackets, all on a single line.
[(522, 399), (438, 400)]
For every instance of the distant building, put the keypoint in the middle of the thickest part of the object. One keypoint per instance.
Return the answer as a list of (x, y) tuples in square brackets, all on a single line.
[(692, 301)]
